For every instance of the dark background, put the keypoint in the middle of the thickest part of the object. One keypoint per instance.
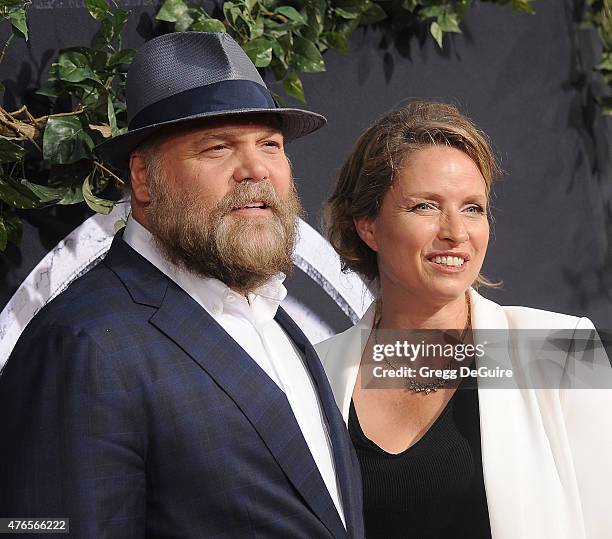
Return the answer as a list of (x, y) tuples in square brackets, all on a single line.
[(526, 80)]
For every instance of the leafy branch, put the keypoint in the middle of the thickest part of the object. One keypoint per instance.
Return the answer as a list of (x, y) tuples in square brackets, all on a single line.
[(290, 39), (598, 15), (85, 91)]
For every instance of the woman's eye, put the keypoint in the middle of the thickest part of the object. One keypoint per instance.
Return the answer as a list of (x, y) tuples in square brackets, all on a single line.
[(475, 209), (423, 206)]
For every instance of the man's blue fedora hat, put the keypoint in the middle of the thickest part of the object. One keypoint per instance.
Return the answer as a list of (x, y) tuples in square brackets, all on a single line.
[(184, 76)]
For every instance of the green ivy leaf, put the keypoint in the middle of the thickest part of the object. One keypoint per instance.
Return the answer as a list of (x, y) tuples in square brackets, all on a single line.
[(436, 32), (347, 27), (294, 87), (346, 14), (50, 89), (124, 56), (449, 22), (257, 28), (104, 35), (306, 57), (432, 11), (184, 21), (523, 6), (250, 5), (110, 112), (309, 33), (18, 21), (74, 67), (373, 14), (171, 10), (14, 228), (605, 102), (338, 41), (97, 204), (74, 195), (259, 51), (208, 25), (292, 14), (45, 194), (97, 8), (10, 151), (317, 6), (16, 195), (232, 13), (276, 29), (3, 235), (280, 53), (278, 69), (315, 21), (410, 5), (606, 62), (65, 140), (119, 20)]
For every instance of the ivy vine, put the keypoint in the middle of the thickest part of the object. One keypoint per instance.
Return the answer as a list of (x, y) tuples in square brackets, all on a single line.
[(85, 89)]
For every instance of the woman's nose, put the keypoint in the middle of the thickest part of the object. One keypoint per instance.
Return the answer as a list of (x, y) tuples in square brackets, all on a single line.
[(453, 229)]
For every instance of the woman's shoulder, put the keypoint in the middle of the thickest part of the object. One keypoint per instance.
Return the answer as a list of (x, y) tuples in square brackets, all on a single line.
[(487, 313), (531, 318)]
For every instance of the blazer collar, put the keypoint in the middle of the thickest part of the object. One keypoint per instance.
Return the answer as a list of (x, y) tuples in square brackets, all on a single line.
[(144, 282)]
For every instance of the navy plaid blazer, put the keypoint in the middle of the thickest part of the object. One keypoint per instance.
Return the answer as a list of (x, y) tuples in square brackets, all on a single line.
[(125, 407)]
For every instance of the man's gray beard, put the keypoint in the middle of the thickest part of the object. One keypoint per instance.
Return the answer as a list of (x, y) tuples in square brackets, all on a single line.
[(242, 252)]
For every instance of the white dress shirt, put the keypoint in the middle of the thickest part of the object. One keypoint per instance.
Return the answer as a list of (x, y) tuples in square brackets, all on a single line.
[(250, 322)]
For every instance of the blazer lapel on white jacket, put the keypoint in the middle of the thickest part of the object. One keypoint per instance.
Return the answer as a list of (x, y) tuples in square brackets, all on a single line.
[(526, 496)]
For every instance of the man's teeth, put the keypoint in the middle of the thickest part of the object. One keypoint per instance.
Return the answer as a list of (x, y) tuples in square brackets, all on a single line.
[(255, 205), (449, 260)]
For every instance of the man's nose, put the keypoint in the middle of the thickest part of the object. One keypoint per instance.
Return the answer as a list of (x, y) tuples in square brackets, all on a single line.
[(250, 166), (452, 228)]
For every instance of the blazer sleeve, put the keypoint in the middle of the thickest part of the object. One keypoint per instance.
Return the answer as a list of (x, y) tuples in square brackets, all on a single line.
[(588, 421), (71, 443)]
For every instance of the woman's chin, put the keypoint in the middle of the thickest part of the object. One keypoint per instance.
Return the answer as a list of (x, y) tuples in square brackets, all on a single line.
[(443, 293)]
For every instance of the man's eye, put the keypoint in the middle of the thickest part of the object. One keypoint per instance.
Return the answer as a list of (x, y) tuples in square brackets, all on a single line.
[(272, 144), (217, 148)]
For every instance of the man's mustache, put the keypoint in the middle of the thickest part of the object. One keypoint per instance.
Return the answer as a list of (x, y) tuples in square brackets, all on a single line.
[(248, 193)]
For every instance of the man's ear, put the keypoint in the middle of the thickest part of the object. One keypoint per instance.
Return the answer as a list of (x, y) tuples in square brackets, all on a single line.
[(366, 228), (138, 179)]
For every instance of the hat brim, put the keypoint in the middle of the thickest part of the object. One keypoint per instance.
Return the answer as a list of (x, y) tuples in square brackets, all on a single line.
[(295, 123)]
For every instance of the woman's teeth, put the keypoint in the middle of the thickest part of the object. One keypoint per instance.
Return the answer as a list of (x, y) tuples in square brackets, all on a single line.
[(449, 260)]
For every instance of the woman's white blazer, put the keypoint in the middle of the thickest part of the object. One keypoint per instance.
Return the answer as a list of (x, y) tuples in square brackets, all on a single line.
[(546, 453)]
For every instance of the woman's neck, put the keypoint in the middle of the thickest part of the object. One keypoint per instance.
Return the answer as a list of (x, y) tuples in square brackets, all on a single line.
[(414, 313)]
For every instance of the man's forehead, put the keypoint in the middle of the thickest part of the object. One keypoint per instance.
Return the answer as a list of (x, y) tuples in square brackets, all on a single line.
[(230, 124)]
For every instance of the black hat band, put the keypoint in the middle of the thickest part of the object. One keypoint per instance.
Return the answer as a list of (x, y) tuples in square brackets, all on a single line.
[(225, 96)]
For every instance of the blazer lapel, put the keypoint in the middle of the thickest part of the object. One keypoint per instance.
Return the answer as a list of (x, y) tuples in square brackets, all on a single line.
[(523, 485), (184, 321), (350, 486)]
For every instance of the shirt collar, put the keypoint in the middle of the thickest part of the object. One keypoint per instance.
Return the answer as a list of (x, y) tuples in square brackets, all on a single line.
[(216, 297)]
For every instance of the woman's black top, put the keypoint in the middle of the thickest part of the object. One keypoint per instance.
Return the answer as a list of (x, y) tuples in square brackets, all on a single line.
[(435, 488)]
